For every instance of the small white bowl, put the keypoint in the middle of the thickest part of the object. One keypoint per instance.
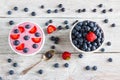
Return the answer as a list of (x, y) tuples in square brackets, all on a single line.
[(79, 49)]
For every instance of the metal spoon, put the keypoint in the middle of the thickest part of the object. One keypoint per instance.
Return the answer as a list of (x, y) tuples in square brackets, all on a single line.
[(48, 55)]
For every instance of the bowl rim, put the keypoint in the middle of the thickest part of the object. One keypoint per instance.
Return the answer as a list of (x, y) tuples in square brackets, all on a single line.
[(31, 53), (79, 49)]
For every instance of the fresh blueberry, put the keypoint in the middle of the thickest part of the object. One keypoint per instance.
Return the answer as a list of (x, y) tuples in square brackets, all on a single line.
[(100, 5), (48, 55), (67, 26), (102, 50), (11, 22), (104, 11), (94, 10), (59, 27), (66, 65), (15, 8), (16, 31), (56, 11), (52, 47), (83, 10), (15, 64), (40, 71), (42, 6), (74, 42), (87, 67), (79, 10), (26, 9), (11, 72), (77, 28), (48, 11), (9, 60), (65, 22), (46, 24), (94, 68), (37, 34), (80, 24), (80, 55), (16, 42), (93, 48), (35, 46), (85, 23), (108, 43), (85, 46), (25, 50), (9, 12), (26, 37), (50, 21), (57, 38), (113, 25), (33, 13), (110, 10), (56, 42), (105, 21), (110, 60), (27, 26), (63, 9), (52, 38), (1, 78), (60, 5), (56, 65)]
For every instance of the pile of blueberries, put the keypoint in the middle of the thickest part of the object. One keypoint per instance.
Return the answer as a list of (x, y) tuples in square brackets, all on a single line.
[(79, 32)]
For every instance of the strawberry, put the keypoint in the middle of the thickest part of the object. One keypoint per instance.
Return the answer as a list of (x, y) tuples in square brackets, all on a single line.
[(91, 36), (66, 55), (36, 40), (33, 30), (21, 28), (50, 29), (20, 47), (14, 36)]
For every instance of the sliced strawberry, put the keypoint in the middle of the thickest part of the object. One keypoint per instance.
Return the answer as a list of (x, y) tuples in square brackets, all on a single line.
[(14, 36), (36, 40), (21, 28), (33, 30), (66, 55), (20, 47), (50, 29)]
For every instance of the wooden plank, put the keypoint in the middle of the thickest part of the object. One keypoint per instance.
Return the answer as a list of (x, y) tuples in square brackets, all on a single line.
[(70, 5)]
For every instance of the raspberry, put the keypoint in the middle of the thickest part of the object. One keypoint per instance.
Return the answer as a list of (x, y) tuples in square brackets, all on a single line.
[(91, 36), (66, 55)]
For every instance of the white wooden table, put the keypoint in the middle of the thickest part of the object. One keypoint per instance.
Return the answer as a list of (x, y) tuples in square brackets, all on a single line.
[(76, 71)]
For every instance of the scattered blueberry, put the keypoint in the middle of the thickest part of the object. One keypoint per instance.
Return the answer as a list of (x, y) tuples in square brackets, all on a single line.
[(25, 50), (67, 26), (80, 55), (16, 31), (100, 5), (66, 65), (40, 71), (50, 21), (15, 8), (108, 43), (104, 11), (42, 6), (56, 11), (52, 38), (63, 9), (110, 10), (35, 46), (102, 50), (110, 60), (46, 24), (52, 47), (87, 67), (33, 13), (83, 10), (79, 10), (27, 26), (65, 22), (59, 27), (26, 37), (11, 72), (26, 9), (37, 34), (60, 5), (94, 68), (94, 10), (9, 60), (11, 22), (105, 21), (56, 65), (48, 55), (15, 64), (48, 11), (113, 25), (9, 12), (16, 42)]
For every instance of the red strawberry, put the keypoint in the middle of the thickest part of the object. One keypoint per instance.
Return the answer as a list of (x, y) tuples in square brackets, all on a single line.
[(14, 36), (33, 30), (36, 40), (21, 28), (91, 36), (50, 29), (20, 47), (66, 55)]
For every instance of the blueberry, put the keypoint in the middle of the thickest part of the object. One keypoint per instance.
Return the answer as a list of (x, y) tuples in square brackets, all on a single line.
[(46, 24), (100, 5), (63, 9), (105, 21), (66, 65), (76, 34), (104, 11), (15, 8), (48, 55), (93, 48), (56, 42), (110, 10), (57, 38), (110, 60), (27, 26), (83, 10), (9, 12), (37, 34), (52, 47), (33, 13), (56, 65), (48, 11), (26, 9), (52, 38), (59, 27), (60, 5), (1, 78), (85, 23), (15, 64), (94, 68), (40, 71), (91, 24), (73, 31), (11, 22), (26, 37), (11, 72), (56, 11), (113, 25), (85, 46), (9, 60), (42, 6), (94, 10), (102, 50), (50, 21), (87, 67), (80, 55), (65, 22), (67, 26), (16, 42), (79, 10), (77, 28), (80, 24), (108, 43), (35, 46), (74, 42), (16, 31), (25, 50)]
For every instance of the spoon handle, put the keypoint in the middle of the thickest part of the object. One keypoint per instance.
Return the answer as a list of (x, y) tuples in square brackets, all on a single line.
[(28, 69)]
